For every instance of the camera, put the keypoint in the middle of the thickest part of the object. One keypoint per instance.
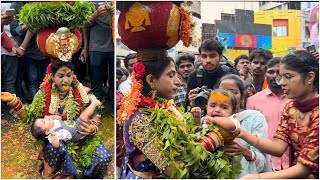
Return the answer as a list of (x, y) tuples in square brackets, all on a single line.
[(201, 99)]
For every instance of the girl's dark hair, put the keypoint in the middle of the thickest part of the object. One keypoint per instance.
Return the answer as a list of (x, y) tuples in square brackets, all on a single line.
[(155, 68), (239, 82), (228, 93), (56, 67), (303, 62)]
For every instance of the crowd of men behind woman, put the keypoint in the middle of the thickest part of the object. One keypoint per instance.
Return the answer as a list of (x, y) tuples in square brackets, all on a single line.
[(261, 82)]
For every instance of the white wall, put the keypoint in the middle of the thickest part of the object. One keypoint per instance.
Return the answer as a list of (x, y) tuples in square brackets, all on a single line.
[(273, 5), (211, 11)]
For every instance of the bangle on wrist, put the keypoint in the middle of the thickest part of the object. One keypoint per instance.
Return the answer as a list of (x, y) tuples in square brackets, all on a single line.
[(22, 48), (253, 156), (236, 123), (13, 100), (93, 122)]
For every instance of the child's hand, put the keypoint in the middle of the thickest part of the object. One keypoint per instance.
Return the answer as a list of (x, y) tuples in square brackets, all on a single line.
[(52, 133), (196, 111), (209, 120)]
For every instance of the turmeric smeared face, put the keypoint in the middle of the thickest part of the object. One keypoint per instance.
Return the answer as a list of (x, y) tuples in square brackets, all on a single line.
[(63, 79), (219, 105)]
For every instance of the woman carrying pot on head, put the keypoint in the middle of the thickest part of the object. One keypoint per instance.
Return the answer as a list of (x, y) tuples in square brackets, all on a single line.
[(62, 94), (160, 141)]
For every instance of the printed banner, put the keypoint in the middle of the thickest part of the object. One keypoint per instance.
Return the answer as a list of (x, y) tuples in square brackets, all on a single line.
[(245, 40), (226, 39), (264, 42)]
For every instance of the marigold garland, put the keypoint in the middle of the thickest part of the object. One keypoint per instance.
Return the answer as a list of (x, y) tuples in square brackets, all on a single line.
[(148, 102), (34, 110), (129, 103), (47, 86), (186, 28)]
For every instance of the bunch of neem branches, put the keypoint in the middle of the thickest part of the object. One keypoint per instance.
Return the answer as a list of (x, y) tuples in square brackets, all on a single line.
[(38, 15)]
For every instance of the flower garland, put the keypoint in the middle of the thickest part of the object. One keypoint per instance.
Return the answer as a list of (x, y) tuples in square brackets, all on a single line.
[(148, 102), (129, 103), (188, 35), (51, 100), (41, 106), (176, 135), (185, 27)]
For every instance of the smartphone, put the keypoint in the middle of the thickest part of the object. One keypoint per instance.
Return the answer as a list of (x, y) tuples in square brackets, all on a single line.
[(10, 12), (311, 48)]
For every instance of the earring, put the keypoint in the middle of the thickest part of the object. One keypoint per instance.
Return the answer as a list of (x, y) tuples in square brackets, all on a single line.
[(153, 92)]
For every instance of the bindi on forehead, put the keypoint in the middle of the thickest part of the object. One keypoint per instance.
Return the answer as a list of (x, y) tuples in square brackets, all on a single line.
[(64, 70), (220, 97)]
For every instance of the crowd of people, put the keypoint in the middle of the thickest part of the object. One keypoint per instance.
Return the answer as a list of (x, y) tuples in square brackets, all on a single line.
[(46, 92), (256, 116), (276, 103)]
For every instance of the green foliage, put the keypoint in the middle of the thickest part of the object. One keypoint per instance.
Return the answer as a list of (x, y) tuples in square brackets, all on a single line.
[(72, 108), (54, 90), (39, 15), (178, 141), (82, 158), (74, 83), (35, 110)]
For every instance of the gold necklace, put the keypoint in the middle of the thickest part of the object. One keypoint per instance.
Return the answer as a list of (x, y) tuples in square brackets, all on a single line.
[(62, 103), (301, 118)]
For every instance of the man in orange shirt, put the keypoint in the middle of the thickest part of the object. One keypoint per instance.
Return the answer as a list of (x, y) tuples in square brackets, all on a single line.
[(258, 61)]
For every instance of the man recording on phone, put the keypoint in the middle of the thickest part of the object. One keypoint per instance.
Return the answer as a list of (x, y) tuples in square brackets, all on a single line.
[(242, 63), (208, 73)]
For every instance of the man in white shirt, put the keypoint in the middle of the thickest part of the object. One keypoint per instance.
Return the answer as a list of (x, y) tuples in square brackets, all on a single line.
[(9, 60), (129, 60)]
